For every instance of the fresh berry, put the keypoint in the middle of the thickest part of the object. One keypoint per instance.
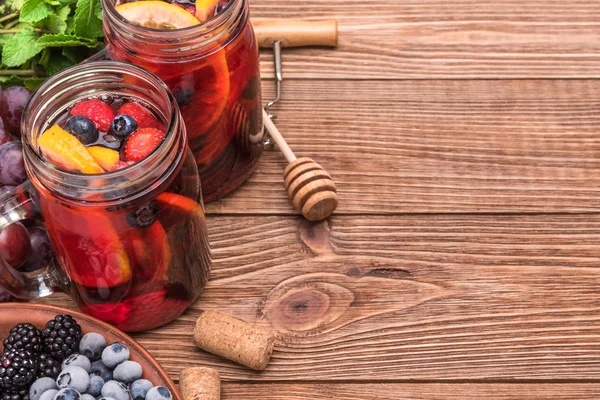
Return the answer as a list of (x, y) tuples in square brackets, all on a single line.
[(12, 164), (77, 360), (114, 355), (91, 345), (82, 128), (98, 111), (115, 390), (42, 251), (67, 394), (17, 369), (122, 126), (221, 7), (40, 386), (74, 377), (122, 164), (12, 104), (142, 143), (98, 368), (96, 383), (48, 366), (184, 94), (49, 394), (24, 337), (144, 216), (62, 336), (86, 396), (127, 372), (106, 398), (159, 393), (142, 116), (139, 389), (22, 394)]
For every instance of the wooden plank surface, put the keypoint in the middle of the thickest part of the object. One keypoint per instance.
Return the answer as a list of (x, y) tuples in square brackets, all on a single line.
[(444, 39), (440, 297), (438, 146)]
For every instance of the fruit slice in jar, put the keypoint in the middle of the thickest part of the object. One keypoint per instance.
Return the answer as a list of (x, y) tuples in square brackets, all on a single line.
[(151, 252), (205, 9), (106, 158), (66, 151), (175, 208), (157, 15)]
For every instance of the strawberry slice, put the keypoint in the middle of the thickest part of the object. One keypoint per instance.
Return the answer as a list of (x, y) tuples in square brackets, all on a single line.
[(98, 111), (141, 143), (143, 116)]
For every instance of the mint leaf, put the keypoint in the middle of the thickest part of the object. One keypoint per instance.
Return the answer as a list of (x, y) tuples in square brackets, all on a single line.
[(57, 63), (87, 23), (63, 13), (55, 24), (70, 24), (63, 40), (33, 83), (10, 80), (34, 11), (20, 48), (45, 58), (52, 2), (17, 5)]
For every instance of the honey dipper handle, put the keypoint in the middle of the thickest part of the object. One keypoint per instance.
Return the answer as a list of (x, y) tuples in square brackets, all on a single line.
[(295, 33), (276, 136)]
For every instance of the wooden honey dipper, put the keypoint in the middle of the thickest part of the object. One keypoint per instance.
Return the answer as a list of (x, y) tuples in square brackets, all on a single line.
[(310, 188)]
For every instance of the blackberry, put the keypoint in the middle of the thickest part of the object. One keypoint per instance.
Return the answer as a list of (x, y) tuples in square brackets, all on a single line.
[(18, 370), (62, 336), (22, 394), (24, 337), (48, 366)]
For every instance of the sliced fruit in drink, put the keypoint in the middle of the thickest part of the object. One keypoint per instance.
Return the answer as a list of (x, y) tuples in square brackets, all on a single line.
[(65, 151), (151, 251), (143, 117), (175, 208), (142, 143), (157, 15), (106, 158), (101, 113), (205, 9)]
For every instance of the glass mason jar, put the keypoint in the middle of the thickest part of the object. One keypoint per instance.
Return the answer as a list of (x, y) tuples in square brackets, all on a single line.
[(213, 70), (134, 276)]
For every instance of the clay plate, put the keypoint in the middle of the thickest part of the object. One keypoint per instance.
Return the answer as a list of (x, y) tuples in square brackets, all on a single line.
[(38, 314)]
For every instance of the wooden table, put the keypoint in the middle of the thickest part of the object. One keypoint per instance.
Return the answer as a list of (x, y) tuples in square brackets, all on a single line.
[(463, 261)]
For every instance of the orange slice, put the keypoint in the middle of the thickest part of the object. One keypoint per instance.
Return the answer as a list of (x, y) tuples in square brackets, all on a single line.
[(67, 152), (106, 158), (205, 9), (157, 15), (151, 251)]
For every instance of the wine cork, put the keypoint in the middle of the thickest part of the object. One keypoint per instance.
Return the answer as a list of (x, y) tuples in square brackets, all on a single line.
[(233, 339), (200, 384)]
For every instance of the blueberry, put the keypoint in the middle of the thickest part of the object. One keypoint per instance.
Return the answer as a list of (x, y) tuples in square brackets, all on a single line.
[(184, 95), (86, 396), (122, 126), (74, 377), (159, 393), (139, 389), (221, 7), (144, 216), (127, 372), (67, 394), (82, 128), (91, 345), (96, 383), (114, 355), (77, 360), (48, 394), (98, 368), (116, 390), (106, 398), (41, 386)]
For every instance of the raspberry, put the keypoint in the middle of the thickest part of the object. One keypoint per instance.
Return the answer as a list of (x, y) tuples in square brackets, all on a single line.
[(98, 111), (143, 116), (142, 143)]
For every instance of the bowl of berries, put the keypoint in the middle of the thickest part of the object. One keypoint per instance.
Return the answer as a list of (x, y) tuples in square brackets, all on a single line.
[(50, 353)]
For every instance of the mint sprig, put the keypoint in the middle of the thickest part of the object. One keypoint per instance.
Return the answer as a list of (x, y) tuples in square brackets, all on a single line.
[(41, 37)]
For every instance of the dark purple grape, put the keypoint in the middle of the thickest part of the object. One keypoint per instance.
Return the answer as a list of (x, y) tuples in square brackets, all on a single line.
[(41, 250), (15, 244), (13, 102), (4, 296), (12, 166), (5, 189), (221, 7), (6, 137)]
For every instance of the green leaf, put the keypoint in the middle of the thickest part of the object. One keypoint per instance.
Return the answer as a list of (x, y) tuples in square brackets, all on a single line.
[(20, 48), (17, 5), (10, 81), (34, 11), (55, 24), (52, 2), (57, 63), (33, 83), (63, 40), (64, 12), (70, 24), (87, 23)]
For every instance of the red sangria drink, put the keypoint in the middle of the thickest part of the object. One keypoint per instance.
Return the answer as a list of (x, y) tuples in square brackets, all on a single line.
[(119, 192), (206, 53)]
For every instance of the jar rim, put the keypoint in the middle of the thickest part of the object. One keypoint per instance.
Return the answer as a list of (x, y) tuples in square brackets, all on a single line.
[(212, 26), (46, 172)]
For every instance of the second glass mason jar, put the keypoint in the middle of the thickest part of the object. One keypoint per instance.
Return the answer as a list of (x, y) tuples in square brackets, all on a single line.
[(214, 72)]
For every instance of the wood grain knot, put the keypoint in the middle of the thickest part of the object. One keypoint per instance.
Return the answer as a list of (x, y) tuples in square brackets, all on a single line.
[(305, 306), (315, 236)]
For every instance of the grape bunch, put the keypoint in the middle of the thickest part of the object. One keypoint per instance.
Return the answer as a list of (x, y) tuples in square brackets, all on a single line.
[(24, 247)]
